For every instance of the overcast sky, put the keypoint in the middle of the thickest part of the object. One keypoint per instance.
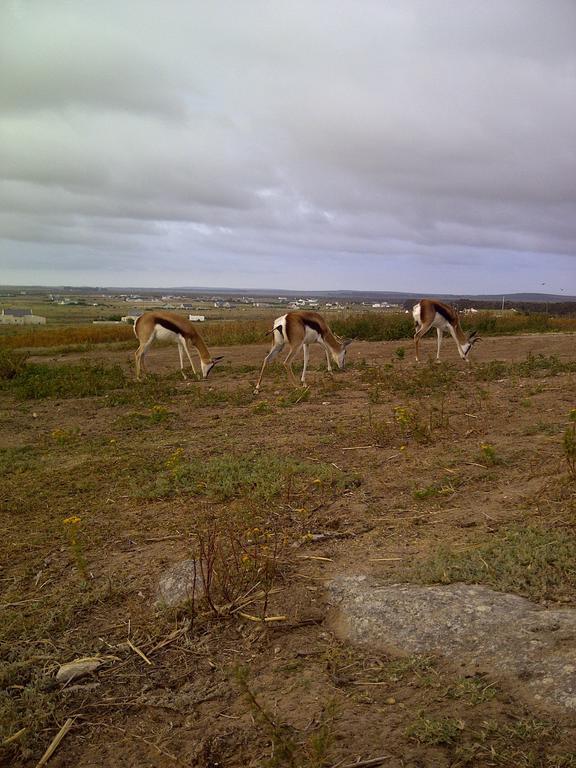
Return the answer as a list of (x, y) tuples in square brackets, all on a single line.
[(417, 145)]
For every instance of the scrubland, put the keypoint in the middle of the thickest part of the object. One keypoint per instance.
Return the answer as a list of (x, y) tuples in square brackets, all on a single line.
[(426, 473)]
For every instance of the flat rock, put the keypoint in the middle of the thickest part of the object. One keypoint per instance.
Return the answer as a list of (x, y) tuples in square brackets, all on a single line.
[(78, 668), (472, 625), (178, 585)]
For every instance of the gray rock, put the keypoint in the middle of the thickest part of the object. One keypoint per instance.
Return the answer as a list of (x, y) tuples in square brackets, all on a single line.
[(472, 625), (180, 584)]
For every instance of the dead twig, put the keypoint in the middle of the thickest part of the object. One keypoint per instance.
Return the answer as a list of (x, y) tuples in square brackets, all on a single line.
[(139, 652), (364, 763), (21, 602), (14, 737), (154, 539), (55, 742)]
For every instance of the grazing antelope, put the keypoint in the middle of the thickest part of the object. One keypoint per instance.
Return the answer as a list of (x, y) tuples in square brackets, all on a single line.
[(171, 326), (430, 313), (300, 329)]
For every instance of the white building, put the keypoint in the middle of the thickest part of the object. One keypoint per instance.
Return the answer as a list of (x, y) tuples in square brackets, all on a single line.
[(197, 318), (20, 317)]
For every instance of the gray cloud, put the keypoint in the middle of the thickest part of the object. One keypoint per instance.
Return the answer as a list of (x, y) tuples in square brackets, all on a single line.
[(432, 142)]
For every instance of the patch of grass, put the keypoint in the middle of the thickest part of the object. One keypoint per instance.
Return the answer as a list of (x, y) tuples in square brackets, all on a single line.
[(444, 731), (527, 743), (488, 456), (473, 690), (157, 414), (262, 407), (533, 367), (152, 391), (529, 561), (417, 665), (447, 486), (416, 422), (37, 381), (295, 396), (422, 379), (542, 428), (262, 477), (17, 459)]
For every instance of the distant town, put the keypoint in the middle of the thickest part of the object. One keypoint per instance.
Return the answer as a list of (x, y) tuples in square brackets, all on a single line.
[(25, 305)]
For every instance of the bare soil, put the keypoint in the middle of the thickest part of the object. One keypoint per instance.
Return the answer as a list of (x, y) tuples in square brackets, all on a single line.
[(301, 698)]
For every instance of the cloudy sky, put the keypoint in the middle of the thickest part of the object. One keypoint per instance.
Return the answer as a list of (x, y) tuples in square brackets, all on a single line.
[(418, 145)]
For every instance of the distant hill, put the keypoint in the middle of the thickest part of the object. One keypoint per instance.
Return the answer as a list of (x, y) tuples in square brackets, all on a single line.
[(395, 297)]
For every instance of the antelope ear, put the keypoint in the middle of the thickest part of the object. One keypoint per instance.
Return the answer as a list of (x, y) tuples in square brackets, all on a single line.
[(347, 342), (216, 359)]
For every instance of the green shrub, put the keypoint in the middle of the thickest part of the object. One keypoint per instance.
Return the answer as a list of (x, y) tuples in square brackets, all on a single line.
[(11, 364)]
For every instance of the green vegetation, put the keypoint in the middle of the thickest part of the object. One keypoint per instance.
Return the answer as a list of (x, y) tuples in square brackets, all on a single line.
[(473, 690), (437, 732), (260, 477), (422, 379), (13, 460), (534, 562), (36, 381), (533, 367), (12, 364)]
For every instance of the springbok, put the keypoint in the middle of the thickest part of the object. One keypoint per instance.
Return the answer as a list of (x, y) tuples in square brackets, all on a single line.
[(430, 313), (299, 330), (173, 327)]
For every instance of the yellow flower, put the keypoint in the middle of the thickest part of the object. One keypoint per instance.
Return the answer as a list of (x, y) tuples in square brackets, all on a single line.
[(71, 520)]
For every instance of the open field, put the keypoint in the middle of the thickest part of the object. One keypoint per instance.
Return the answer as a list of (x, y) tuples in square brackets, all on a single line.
[(427, 473)]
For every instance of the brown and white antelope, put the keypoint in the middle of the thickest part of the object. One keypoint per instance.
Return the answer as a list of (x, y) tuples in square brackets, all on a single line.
[(169, 326), (430, 313), (298, 330)]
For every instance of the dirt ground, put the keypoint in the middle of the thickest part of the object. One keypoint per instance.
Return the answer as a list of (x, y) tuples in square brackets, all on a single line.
[(421, 457)]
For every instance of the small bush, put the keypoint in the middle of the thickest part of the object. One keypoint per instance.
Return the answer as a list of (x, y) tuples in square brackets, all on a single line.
[(11, 364)]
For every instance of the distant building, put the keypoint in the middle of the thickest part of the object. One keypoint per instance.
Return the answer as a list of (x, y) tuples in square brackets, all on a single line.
[(197, 318), (132, 317), (20, 317), (17, 312)]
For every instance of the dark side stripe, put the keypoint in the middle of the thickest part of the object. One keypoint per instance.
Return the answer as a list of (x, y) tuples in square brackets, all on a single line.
[(441, 311), (314, 325), (168, 325)]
